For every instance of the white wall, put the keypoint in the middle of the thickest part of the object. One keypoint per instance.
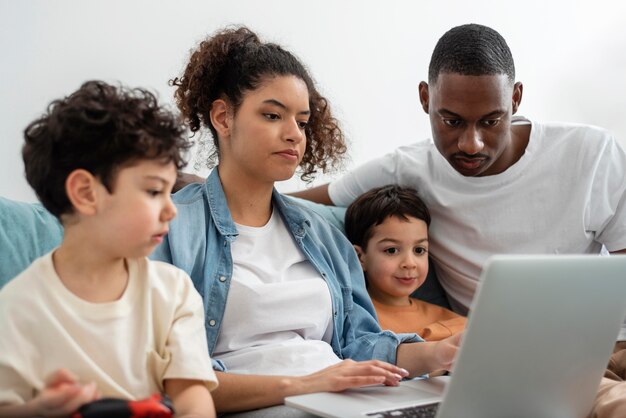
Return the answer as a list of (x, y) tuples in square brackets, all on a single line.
[(367, 56)]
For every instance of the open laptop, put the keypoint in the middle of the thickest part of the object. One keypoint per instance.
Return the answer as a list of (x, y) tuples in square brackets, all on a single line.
[(538, 339)]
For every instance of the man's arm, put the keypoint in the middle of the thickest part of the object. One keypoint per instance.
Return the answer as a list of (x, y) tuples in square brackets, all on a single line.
[(317, 194)]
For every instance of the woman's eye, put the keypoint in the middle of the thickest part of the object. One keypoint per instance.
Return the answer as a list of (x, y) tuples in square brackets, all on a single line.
[(391, 250), (271, 116), (303, 124), (154, 192), (420, 250)]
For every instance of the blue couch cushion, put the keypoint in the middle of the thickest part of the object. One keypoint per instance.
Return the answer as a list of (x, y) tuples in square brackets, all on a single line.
[(27, 231)]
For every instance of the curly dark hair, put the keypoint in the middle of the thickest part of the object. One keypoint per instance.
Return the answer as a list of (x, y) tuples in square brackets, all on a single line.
[(233, 61), (471, 49), (99, 128), (374, 206)]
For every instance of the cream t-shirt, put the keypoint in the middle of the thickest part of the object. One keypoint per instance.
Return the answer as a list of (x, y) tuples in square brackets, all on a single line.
[(128, 347)]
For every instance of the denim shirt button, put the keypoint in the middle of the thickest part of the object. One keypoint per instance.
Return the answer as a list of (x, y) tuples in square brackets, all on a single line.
[(212, 322), (222, 279)]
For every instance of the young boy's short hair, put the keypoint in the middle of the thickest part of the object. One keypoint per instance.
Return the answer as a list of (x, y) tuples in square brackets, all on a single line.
[(99, 128), (373, 207)]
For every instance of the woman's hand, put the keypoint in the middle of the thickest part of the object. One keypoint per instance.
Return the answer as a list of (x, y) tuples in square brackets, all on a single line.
[(350, 374)]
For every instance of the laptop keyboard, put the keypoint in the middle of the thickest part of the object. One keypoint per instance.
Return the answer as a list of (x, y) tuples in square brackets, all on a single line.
[(420, 411)]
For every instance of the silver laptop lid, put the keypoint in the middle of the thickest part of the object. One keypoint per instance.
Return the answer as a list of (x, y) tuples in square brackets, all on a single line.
[(538, 338)]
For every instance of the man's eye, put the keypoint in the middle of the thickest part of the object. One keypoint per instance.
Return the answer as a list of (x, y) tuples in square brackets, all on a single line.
[(271, 116), (453, 123), (391, 250), (491, 122)]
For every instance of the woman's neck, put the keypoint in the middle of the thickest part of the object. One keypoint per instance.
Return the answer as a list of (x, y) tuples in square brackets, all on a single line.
[(250, 202)]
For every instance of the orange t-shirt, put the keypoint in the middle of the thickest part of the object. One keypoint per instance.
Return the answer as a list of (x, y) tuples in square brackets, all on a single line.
[(611, 398), (429, 321)]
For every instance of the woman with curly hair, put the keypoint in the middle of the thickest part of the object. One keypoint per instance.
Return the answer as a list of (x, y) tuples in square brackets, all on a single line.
[(286, 309)]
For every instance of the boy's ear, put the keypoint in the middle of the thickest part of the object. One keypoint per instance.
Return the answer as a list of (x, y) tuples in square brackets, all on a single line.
[(221, 118), (361, 254), (80, 187)]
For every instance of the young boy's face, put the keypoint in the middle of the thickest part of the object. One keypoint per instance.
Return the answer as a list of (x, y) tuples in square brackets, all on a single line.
[(395, 260), (134, 218)]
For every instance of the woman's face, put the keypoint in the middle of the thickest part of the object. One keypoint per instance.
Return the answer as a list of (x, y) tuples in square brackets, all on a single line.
[(266, 141)]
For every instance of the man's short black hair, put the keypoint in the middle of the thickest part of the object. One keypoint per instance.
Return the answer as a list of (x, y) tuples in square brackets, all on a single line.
[(471, 49), (372, 208), (99, 128)]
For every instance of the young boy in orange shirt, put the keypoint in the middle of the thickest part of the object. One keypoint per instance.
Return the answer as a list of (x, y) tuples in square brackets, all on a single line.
[(388, 227), (94, 317)]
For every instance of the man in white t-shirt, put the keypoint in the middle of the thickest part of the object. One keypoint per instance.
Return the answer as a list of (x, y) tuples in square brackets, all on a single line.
[(496, 183)]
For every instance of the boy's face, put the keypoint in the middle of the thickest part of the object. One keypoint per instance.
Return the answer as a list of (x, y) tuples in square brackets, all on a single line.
[(395, 260), (134, 218)]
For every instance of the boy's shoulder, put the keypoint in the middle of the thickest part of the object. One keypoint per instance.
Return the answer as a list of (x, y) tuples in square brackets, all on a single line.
[(28, 285), (162, 276)]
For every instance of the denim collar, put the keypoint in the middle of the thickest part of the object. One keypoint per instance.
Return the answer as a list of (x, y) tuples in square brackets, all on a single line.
[(297, 220)]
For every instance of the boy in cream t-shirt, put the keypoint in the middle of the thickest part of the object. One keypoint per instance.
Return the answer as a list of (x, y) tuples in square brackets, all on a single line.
[(388, 227), (95, 318)]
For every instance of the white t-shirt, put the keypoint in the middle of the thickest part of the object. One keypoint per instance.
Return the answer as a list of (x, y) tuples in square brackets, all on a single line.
[(566, 194), (128, 347), (278, 317)]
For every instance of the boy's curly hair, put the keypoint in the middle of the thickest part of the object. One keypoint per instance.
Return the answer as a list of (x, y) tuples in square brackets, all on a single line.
[(99, 128), (233, 61)]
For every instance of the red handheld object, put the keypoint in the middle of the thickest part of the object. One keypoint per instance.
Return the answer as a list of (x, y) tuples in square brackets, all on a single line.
[(156, 406)]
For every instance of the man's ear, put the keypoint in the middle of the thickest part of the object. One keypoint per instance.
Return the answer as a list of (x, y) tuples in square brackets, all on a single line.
[(221, 118), (80, 187), (424, 96), (361, 254), (518, 89)]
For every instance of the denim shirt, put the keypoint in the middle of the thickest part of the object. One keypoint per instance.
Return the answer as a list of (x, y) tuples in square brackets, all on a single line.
[(199, 242)]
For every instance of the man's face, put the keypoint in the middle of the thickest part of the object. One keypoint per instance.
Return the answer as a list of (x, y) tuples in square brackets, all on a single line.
[(470, 117)]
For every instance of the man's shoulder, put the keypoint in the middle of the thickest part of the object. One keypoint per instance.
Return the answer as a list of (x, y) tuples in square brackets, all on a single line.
[(420, 148), (572, 130)]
